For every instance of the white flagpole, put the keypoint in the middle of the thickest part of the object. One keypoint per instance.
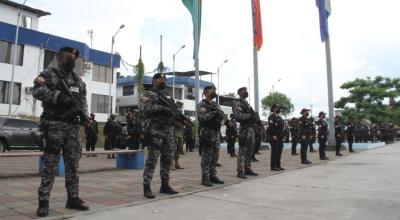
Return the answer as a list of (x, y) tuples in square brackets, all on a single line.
[(196, 62), (331, 139)]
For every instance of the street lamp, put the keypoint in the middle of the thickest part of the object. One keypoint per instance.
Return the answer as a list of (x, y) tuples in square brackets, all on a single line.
[(111, 67), (173, 70), (218, 78), (11, 88)]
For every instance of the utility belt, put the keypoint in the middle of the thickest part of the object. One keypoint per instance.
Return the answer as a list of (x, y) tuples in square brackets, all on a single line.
[(72, 119)]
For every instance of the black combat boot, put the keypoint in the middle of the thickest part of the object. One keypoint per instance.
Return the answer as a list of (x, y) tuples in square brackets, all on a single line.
[(306, 162), (250, 172), (241, 175), (147, 192), (205, 181), (216, 180), (275, 169), (76, 203), (43, 209), (167, 189)]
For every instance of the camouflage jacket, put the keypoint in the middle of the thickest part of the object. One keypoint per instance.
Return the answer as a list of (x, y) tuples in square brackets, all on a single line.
[(243, 113)]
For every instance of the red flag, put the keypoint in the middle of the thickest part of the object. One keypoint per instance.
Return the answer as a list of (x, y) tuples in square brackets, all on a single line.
[(257, 27)]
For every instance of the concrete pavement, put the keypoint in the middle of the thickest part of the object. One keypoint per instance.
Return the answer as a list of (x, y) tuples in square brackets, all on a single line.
[(361, 186)]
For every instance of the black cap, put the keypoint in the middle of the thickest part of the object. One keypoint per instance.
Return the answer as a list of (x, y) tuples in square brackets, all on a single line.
[(241, 89), (158, 75), (304, 110), (208, 88), (321, 113), (337, 116), (70, 50)]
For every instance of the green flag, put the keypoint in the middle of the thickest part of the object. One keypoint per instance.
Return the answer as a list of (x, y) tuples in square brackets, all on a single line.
[(196, 19)]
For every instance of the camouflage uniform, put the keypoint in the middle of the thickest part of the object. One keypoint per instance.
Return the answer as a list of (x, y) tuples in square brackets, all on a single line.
[(322, 137), (61, 130), (275, 128), (209, 136), (243, 115), (159, 135), (294, 133), (178, 139), (304, 134)]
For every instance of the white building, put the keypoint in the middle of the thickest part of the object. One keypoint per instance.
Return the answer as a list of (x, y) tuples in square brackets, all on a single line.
[(184, 92), (36, 51)]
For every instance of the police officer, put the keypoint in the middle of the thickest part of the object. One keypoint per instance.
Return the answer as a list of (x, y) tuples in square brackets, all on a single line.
[(304, 133), (189, 136), (91, 135), (294, 134), (313, 134), (275, 133), (338, 135), (178, 140), (111, 132), (322, 135), (258, 134), (134, 128), (350, 134), (246, 116), (159, 136), (209, 133), (231, 135), (60, 124)]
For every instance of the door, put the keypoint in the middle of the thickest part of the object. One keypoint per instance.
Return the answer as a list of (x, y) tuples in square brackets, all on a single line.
[(30, 131), (15, 133)]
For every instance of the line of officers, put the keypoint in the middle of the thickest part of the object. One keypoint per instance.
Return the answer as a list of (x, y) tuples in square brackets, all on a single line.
[(63, 96)]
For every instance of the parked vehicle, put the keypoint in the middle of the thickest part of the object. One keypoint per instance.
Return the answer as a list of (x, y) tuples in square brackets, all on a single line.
[(18, 133)]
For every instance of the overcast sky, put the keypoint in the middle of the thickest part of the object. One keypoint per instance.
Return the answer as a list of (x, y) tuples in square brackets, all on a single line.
[(364, 40)]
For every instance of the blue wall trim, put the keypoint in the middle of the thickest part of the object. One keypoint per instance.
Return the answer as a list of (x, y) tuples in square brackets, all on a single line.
[(54, 43), (179, 80)]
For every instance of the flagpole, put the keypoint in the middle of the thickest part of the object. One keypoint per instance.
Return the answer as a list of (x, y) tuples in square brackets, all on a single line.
[(196, 62), (255, 62), (331, 139)]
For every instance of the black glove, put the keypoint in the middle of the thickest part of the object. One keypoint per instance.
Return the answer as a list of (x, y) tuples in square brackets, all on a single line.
[(65, 100)]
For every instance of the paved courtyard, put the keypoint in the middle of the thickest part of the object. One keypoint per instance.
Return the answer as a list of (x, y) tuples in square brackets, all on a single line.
[(103, 186)]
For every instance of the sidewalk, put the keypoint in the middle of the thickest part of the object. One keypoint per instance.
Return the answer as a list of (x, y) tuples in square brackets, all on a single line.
[(362, 186), (111, 188)]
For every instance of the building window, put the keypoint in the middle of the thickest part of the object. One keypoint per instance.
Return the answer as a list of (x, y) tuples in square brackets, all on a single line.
[(101, 103), (128, 90), (102, 73), (26, 22), (7, 53), (4, 92)]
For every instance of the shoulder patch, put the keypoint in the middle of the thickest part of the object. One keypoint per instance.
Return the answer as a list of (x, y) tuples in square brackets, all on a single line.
[(202, 110), (144, 98)]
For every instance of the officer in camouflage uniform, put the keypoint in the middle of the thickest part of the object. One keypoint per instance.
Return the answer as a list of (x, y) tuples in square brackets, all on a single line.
[(304, 133), (159, 136), (231, 134), (209, 126), (178, 140), (313, 135), (60, 123), (275, 133), (350, 134), (338, 135), (294, 133), (246, 116), (322, 135)]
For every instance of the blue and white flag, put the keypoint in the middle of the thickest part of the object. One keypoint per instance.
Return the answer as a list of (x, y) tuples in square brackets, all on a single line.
[(324, 7)]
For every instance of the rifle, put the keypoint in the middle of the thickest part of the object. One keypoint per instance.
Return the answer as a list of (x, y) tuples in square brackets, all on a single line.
[(176, 112), (224, 118), (77, 108)]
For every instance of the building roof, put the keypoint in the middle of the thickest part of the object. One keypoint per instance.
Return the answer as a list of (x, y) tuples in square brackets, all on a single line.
[(39, 12), (54, 43), (189, 73), (179, 80)]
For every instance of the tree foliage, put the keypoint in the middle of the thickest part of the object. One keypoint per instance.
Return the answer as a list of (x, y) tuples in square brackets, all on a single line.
[(376, 100), (277, 98)]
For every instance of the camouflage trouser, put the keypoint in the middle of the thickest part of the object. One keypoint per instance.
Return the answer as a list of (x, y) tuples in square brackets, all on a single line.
[(158, 142), (60, 136), (246, 146), (209, 143), (178, 146)]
